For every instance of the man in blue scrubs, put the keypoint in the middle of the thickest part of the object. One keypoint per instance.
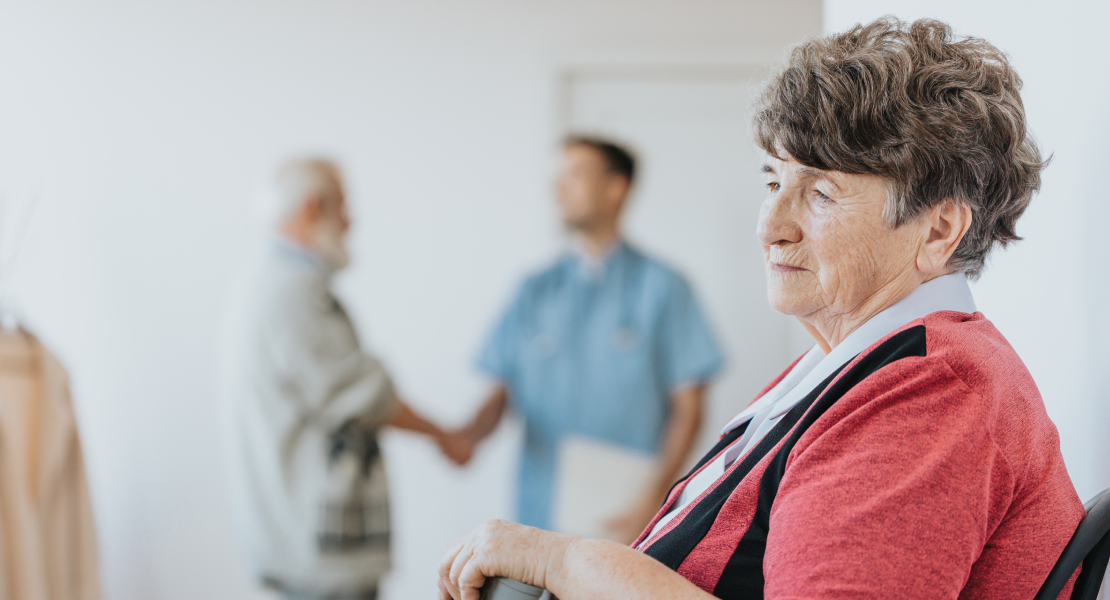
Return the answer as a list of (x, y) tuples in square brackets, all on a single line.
[(607, 343)]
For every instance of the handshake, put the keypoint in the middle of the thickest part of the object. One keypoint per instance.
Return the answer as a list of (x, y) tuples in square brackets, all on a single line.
[(457, 445)]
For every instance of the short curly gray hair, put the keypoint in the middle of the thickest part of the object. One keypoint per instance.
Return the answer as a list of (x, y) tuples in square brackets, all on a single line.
[(938, 117)]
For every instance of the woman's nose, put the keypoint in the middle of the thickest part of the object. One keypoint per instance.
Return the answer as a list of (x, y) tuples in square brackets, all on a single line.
[(777, 223)]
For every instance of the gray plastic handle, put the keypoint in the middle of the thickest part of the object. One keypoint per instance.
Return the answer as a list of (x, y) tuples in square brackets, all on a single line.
[(503, 588)]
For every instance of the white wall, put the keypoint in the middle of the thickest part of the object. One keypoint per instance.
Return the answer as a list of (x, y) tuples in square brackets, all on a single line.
[(1047, 294), (141, 126)]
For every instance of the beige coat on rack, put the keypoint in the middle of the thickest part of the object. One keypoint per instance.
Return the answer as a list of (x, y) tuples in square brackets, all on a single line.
[(47, 539)]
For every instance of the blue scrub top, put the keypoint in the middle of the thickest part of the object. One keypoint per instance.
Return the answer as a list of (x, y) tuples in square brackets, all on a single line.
[(596, 350)]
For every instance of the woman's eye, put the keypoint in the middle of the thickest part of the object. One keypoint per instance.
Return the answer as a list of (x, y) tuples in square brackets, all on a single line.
[(821, 196), (773, 186)]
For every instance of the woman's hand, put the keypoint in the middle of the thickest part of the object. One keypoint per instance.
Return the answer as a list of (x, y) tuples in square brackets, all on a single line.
[(501, 549)]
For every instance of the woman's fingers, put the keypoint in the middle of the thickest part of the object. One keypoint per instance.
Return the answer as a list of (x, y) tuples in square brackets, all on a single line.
[(468, 561), (460, 562), (443, 593), (445, 566), (450, 589), (448, 559), (471, 579)]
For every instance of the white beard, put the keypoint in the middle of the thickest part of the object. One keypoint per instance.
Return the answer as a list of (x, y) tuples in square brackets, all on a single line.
[(331, 244)]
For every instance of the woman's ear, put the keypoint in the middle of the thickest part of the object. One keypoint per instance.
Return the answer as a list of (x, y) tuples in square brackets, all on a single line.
[(947, 223)]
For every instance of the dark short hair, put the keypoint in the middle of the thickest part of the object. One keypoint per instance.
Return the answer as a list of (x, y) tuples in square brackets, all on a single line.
[(618, 158), (939, 117)]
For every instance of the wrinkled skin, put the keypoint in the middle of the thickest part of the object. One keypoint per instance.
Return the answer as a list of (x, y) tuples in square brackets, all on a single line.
[(832, 258)]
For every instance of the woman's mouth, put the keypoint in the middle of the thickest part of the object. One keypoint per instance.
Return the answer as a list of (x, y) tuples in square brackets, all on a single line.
[(783, 268)]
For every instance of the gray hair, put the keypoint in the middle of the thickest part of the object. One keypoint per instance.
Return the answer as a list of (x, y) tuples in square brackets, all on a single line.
[(939, 117), (295, 183)]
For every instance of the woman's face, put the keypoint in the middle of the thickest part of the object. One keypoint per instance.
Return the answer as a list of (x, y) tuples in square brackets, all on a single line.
[(826, 245)]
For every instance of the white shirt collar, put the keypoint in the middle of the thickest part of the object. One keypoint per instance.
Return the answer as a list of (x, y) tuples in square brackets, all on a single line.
[(594, 266), (949, 292)]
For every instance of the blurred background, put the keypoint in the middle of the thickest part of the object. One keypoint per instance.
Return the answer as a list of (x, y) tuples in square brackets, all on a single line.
[(132, 135)]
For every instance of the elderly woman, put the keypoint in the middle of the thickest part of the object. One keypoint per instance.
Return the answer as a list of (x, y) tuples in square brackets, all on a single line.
[(908, 454)]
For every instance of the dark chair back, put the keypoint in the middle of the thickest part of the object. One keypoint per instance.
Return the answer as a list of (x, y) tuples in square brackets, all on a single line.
[(1089, 546)]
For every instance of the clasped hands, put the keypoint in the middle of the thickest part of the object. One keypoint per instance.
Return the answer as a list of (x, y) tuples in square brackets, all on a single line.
[(457, 445)]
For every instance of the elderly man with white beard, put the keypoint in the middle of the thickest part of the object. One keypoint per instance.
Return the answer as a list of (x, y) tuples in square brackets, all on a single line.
[(306, 403)]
